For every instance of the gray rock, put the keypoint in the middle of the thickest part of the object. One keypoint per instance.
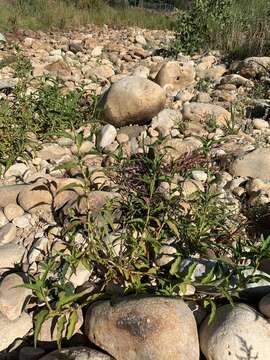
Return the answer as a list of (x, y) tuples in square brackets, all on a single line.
[(255, 164), (30, 353), (76, 353), (238, 332), (264, 305), (2, 38), (149, 328), (133, 100), (6, 84)]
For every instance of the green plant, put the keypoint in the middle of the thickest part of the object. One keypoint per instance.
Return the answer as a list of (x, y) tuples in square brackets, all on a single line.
[(43, 112), (121, 242), (22, 65)]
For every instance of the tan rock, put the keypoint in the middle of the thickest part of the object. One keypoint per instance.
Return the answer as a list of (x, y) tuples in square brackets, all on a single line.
[(133, 100), (201, 112), (174, 75), (7, 233), (12, 330), (10, 254), (12, 211), (144, 328), (255, 164), (13, 296), (58, 68)]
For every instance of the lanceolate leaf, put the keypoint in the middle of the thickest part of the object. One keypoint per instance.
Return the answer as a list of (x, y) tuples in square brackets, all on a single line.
[(60, 329), (39, 320), (71, 324)]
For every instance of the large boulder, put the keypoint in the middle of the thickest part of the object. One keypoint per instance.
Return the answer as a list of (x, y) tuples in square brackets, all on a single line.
[(201, 112), (133, 100), (238, 332), (174, 75), (255, 164), (149, 328)]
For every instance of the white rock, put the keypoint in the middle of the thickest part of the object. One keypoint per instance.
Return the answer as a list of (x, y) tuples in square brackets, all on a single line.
[(22, 221), (199, 175), (260, 124), (38, 249), (238, 332), (141, 40), (107, 136)]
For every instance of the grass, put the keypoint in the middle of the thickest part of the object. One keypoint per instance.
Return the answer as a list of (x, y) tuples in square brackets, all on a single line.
[(238, 28), (61, 14)]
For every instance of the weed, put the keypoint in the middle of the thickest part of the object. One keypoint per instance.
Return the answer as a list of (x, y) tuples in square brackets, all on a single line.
[(120, 244)]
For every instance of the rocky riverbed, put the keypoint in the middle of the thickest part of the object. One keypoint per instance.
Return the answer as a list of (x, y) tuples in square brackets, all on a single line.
[(207, 115)]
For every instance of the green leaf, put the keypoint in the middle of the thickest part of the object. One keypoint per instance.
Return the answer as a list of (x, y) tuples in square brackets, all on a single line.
[(60, 329), (66, 166), (173, 227), (66, 299), (175, 266), (191, 269), (209, 277), (213, 311), (39, 320), (71, 324)]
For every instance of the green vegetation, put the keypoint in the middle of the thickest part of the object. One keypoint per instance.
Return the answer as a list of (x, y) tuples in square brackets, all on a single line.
[(122, 252), (240, 28), (46, 14)]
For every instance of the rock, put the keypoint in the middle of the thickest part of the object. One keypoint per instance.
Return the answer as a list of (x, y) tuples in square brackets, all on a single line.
[(10, 254), (143, 328), (2, 38), (211, 74), (102, 72), (9, 193), (260, 124), (52, 152), (6, 84), (253, 67), (58, 68), (12, 211), (199, 175), (237, 80), (174, 149), (237, 332), (76, 353), (7, 233), (3, 219), (141, 40), (255, 164), (75, 47), (35, 198), (259, 108), (202, 112), (133, 100), (176, 76), (166, 255), (17, 170), (30, 353), (12, 296), (166, 120), (12, 330), (22, 221), (80, 276), (264, 306), (107, 136)]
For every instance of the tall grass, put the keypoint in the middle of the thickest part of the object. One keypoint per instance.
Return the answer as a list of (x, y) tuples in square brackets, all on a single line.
[(240, 28), (62, 14)]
